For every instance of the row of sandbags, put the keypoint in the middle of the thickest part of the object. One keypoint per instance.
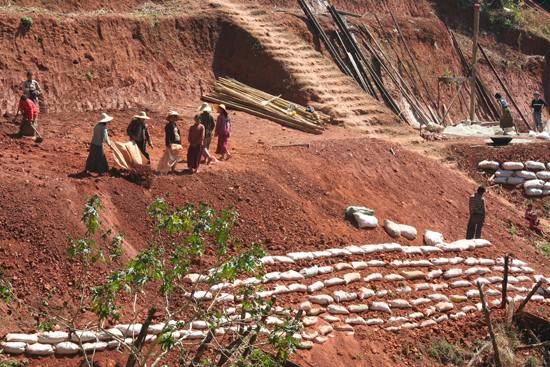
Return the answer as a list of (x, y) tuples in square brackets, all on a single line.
[(534, 176)]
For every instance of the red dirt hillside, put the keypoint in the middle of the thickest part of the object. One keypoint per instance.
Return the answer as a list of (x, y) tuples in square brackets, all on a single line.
[(126, 56)]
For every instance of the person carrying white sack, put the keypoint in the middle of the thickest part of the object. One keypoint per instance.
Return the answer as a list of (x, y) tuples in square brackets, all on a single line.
[(173, 144)]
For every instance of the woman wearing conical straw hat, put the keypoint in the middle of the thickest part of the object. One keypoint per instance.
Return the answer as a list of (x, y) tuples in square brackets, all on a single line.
[(97, 162), (173, 144), (139, 133), (208, 122), (223, 131)]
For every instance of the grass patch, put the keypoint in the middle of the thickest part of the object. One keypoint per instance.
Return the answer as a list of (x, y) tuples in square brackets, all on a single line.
[(441, 350)]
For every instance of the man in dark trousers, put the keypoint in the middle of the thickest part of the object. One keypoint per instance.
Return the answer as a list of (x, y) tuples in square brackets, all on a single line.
[(537, 104), (138, 132), (477, 214)]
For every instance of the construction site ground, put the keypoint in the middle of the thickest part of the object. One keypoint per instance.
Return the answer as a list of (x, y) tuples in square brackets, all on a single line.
[(289, 198)]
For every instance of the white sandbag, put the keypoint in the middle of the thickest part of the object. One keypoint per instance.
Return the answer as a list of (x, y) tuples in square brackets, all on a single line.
[(80, 336), (266, 294), (416, 315), (543, 175), (268, 277), (523, 279), (482, 281), (512, 180), (390, 247), (532, 165), (488, 165), (358, 308), (435, 274), (371, 322), (343, 327), (528, 175), (94, 347), (440, 261), (429, 249), (357, 320), (283, 259), (352, 278), (13, 347), (365, 293), (503, 173), (380, 306), (512, 166), (321, 299), (438, 297), (403, 290), (365, 221), (22, 338), (371, 249), (456, 260), (376, 263), (381, 294), (319, 254), (311, 335), (500, 180), (359, 265), (341, 296), (495, 293), (410, 326), (408, 232), (399, 263), (67, 348), (412, 275), (252, 280), (393, 328), (194, 278), (467, 309), (394, 278), (333, 281), (457, 315), (40, 349), (471, 261), (421, 287), (444, 306), (296, 256), (267, 260), (337, 310), (316, 311), (527, 270), (309, 321), (114, 332), (392, 319), (201, 296), (399, 303), (325, 329), (280, 289), (429, 311), (325, 269), (433, 238), (355, 250), (438, 286), (54, 337), (411, 250), (420, 263), (441, 319), (480, 243), (428, 323), (331, 319), (465, 245), (486, 262), (472, 293), (392, 228), (129, 329), (309, 272), (498, 269), (373, 277), (291, 275), (533, 184), (338, 252), (342, 266), (297, 288), (452, 273)]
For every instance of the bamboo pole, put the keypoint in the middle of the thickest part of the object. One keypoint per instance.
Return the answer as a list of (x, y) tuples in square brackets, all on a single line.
[(413, 60), (489, 324), (504, 86), (528, 298), (474, 63), (452, 102), (505, 281)]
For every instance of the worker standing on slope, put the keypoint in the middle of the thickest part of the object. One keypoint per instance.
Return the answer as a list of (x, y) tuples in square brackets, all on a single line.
[(97, 162), (537, 104), (506, 118), (31, 88), (30, 116), (173, 144), (223, 131), (138, 132), (207, 120), (477, 214), (196, 140)]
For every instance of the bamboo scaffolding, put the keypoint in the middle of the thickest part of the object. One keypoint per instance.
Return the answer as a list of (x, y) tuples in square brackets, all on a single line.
[(241, 97)]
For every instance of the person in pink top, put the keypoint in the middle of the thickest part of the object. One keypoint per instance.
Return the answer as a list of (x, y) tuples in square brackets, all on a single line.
[(223, 131), (529, 212), (196, 140)]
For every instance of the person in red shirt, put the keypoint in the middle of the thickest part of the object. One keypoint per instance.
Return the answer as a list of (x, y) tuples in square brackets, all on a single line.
[(30, 116), (196, 141), (529, 212)]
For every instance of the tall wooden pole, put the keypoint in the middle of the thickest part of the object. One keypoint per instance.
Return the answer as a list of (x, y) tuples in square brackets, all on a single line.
[(474, 64)]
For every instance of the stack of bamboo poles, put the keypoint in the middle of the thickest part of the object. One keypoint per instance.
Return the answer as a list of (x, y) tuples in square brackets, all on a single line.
[(238, 96)]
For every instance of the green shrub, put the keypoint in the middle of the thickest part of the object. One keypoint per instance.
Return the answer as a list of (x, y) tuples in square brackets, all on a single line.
[(26, 21)]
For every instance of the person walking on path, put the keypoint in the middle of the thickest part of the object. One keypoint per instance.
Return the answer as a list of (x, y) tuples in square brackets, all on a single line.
[(97, 162), (173, 144), (223, 131), (477, 214), (506, 118), (196, 140), (138, 132), (537, 104), (30, 116), (207, 120), (31, 88)]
